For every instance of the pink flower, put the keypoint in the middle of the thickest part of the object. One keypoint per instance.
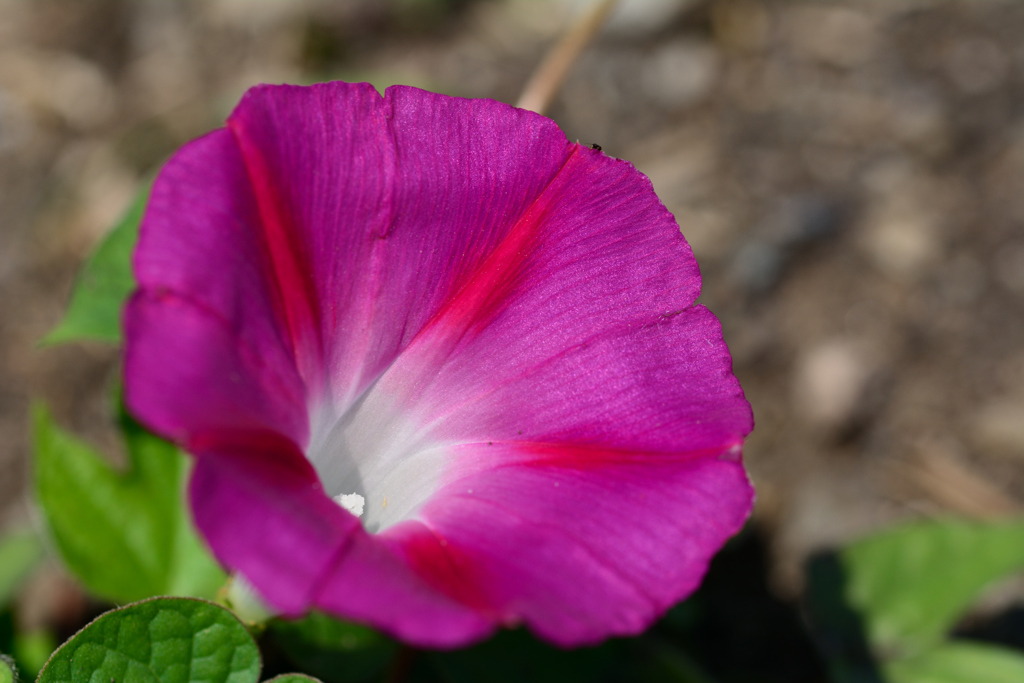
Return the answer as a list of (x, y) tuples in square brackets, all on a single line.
[(443, 310)]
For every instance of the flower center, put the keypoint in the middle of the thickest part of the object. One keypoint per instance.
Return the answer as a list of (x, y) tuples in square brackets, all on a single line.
[(375, 461)]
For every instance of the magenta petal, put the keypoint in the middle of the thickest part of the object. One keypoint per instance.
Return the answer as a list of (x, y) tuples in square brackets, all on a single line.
[(373, 583), (596, 339), (291, 533), (596, 254), (205, 348), (661, 387), (321, 163), (205, 378), (579, 552)]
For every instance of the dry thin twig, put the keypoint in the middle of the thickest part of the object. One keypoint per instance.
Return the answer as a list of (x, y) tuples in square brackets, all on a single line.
[(548, 77), (955, 485)]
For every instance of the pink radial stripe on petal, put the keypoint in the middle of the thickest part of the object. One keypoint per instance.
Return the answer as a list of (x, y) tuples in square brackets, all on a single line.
[(462, 190), (584, 260), (321, 163), (202, 270), (369, 195)]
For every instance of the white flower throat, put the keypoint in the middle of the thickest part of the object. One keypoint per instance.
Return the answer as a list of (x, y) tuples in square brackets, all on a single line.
[(375, 461)]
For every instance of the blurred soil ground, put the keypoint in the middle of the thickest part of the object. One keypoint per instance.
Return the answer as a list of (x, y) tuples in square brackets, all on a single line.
[(849, 174)]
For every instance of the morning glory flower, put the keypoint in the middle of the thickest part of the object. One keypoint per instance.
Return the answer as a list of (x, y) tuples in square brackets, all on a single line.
[(440, 369)]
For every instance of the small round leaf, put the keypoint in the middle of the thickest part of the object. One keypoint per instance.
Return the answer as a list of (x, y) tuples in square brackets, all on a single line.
[(161, 640)]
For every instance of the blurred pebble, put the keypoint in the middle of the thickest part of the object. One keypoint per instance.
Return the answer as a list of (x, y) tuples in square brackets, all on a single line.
[(740, 25), (254, 15), (629, 18), (74, 89), (900, 229), (104, 187), (977, 65), (679, 164), (165, 73), (680, 73), (828, 508), (802, 218), (757, 265), (636, 18), (902, 243), (829, 164), (15, 124), (1009, 267), (918, 119), (797, 220), (962, 280), (15, 19), (473, 66), (999, 427), (837, 36), (830, 381), (708, 230)]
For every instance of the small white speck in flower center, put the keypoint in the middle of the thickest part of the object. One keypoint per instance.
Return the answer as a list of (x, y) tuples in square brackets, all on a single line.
[(352, 502)]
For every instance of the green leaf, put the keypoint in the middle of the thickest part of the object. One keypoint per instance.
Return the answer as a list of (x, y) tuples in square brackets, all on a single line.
[(292, 678), (103, 284), (126, 535), (913, 582), (161, 640), (6, 670), (960, 662), (19, 554), (335, 651), (32, 649)]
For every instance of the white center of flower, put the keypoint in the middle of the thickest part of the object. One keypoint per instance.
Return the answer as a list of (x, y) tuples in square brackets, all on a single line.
[(352, 502), (375, 460)]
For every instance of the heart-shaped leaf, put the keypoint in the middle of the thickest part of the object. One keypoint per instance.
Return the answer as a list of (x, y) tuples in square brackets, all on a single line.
[(161, 640), (103, 284), (912, 583), (960, 662), (127, 536)]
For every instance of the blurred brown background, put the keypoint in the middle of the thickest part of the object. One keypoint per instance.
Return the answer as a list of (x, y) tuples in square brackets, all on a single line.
[(850, 175)]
